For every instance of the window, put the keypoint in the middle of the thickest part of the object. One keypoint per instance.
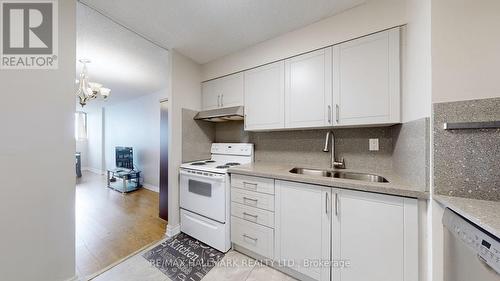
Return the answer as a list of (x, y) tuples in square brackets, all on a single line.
[(80, 126)]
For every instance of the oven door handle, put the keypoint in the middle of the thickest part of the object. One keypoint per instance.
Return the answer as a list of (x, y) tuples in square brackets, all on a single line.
[(217, 177)]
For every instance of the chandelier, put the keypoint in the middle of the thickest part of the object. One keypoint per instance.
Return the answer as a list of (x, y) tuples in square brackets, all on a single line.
[(87, 90)]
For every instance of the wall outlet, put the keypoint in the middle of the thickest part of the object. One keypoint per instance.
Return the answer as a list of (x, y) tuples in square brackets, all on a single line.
[(373, 143)]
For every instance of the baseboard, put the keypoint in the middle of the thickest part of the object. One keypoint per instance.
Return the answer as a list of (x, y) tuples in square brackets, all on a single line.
[(93, 170), (173, 230), (74, 278), (272, 263), (151, 187)]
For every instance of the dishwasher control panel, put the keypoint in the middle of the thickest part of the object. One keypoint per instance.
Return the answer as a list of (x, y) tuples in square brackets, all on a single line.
[(484, 244)]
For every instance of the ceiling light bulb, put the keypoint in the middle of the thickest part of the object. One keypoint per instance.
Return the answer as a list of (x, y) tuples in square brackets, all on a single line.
[(105, 92), (95, 86)]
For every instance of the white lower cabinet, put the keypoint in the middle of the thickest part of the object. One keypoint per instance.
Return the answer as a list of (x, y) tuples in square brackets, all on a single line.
[(252, 236), (377, 235), (302, 227), (252, 214), (323, 233)]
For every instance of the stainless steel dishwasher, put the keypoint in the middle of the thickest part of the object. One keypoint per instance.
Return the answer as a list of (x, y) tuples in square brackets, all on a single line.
[(470, 253)]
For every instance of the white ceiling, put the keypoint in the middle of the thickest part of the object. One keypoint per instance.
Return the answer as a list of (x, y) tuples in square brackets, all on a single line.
[(207, 30), (122, 61)]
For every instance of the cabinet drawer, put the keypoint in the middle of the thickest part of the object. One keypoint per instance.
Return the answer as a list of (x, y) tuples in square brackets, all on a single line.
[(263, 185), (254, 199), (254, 237), (252, 214)]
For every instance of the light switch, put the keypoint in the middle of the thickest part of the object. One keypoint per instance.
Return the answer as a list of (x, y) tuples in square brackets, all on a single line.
[(373, 143)]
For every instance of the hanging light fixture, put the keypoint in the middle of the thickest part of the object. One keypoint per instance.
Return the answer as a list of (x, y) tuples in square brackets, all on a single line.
[(89, 90)]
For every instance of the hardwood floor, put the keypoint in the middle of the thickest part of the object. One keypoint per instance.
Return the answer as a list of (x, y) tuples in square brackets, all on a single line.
[(111, 225)]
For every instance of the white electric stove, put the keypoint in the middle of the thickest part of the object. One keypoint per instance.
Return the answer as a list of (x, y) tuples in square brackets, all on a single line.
[(205, 194)]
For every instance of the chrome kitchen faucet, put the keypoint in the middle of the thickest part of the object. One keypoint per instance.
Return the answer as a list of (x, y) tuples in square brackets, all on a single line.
[(334, 164)]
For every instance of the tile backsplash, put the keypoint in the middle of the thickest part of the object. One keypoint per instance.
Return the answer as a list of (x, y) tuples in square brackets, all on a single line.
[(197, 136), (467, 162), (403, 148)]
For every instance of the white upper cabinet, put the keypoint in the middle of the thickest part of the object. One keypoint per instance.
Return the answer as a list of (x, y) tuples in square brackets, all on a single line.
[(356, 83), (232, 89), (308, 90), (265, 97), (377, 234), (303, 227), (210, 95), (223, 92), (366, 82)]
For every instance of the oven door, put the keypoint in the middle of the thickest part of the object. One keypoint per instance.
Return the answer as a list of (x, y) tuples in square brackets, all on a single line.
[(203, 193)]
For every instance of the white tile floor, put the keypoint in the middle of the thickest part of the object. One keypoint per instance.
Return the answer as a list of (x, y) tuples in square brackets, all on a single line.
[(234, 266)]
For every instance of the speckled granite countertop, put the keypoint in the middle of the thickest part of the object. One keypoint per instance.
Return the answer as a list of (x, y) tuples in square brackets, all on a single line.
[(396, 186), (484, 213)]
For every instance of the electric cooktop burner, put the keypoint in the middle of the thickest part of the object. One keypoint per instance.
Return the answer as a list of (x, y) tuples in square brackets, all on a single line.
[(222, 167), (232, 164), (198, 163)]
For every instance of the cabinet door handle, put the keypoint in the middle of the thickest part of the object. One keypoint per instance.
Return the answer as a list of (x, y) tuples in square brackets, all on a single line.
[(250, 237), (250, 183), (222, 100), (329, 114), (250, 215), (337, 200), (326, 203), (218, 100), (337, 113), (250, 199)]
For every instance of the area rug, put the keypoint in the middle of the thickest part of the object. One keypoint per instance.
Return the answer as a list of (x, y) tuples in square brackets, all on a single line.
[(183, 258)]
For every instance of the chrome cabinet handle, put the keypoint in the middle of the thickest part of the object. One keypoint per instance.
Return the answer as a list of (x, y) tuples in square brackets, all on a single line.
[(326, 203), (222, 100), (329, 114), (337, 113), (250, 237), (336, 204), (250, 199), (250, 215), (218, 100), (250, 183)]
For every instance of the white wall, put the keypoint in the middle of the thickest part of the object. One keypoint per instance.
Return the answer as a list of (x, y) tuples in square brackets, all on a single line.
[(373, 16), (185, 93), (136, 123), (465, 49), (465, 64), (416, 56), (37, 165)]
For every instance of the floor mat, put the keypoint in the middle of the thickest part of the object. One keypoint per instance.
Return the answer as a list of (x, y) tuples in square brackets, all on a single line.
[(183, 258)]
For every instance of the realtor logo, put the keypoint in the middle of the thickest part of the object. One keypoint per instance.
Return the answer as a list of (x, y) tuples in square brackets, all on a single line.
[(28, 34)]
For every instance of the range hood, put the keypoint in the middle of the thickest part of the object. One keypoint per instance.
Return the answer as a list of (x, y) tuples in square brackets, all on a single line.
[(234, 113)]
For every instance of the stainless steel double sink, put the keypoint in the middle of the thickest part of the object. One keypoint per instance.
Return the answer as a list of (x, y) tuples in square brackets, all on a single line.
[(339, 174)]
